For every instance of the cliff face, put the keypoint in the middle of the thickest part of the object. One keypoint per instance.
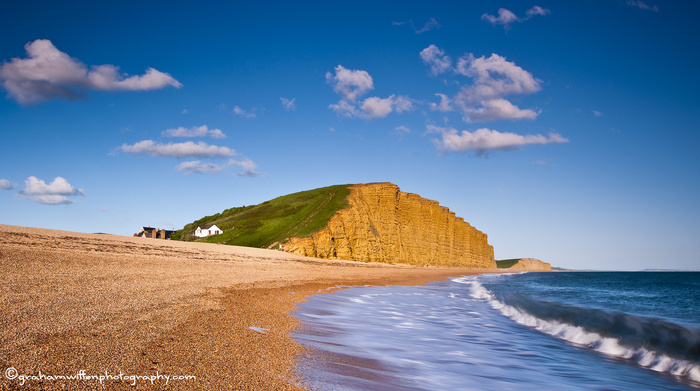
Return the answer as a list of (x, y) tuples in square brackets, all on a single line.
[(531, 265), (384, 224)]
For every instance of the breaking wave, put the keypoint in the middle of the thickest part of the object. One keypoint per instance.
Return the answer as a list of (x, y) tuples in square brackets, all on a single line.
[(651, 343)]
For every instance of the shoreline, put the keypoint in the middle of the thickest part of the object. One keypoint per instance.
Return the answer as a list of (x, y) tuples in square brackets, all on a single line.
[(108, 304)]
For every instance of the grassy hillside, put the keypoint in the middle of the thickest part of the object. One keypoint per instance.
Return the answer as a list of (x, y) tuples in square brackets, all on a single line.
[(294, 215), (506, 263)]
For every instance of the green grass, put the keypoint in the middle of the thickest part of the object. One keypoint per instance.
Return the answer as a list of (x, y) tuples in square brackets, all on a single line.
[(294, 215), (506, 263)]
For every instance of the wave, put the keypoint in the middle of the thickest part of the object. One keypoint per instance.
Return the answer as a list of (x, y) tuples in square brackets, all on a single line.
[(649, 342)]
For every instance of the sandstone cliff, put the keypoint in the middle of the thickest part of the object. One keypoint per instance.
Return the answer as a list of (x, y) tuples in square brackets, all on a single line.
[(531, 265), (384, 224)]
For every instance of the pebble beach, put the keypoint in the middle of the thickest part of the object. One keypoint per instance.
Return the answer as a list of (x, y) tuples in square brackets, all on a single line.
[(96, 311)]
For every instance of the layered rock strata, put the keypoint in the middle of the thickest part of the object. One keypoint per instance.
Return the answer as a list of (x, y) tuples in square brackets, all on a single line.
[(384, 224), (531, 265)]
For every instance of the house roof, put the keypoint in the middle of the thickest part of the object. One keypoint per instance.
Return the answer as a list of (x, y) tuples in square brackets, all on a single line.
[(207, 226)]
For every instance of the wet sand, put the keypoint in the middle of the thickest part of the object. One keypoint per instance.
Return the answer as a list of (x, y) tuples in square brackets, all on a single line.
[(137, 311)]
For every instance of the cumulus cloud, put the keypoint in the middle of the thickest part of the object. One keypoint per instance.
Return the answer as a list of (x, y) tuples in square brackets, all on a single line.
[(493, 109), (436, 59), (483, 140), (56, 192), (373, 107), (345, 109), (493, 79), (48, 73), (642, 5), (5, 184), (377, 107), (189, 149), (289, 104), (402, 103), (196, 131), (252, 113), (179, 150), (506, 17), (443, 106), (351, 85), (199, 167)]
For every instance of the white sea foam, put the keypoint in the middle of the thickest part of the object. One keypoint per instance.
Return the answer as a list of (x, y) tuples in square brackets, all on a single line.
[(579, 336)]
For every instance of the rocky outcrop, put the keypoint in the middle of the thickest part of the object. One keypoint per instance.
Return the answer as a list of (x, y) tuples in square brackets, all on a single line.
[(384, 224), (531, 265)]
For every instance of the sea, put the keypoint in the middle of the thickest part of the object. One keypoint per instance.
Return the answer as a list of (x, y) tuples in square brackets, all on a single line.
[(527, 331)]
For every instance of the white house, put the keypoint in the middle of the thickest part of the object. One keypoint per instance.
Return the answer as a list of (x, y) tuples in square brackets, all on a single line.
[(207, 230)]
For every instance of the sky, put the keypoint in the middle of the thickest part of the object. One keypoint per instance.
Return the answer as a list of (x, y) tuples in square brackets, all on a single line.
[(565, 131)]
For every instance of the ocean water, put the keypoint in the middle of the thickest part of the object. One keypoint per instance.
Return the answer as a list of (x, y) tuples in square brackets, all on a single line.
[(528, 331)]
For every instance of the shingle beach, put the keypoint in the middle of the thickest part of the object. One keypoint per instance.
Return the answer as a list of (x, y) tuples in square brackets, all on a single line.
[(94, 311)]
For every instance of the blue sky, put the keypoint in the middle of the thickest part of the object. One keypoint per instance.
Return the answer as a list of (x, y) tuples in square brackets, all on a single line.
[(566, 131)]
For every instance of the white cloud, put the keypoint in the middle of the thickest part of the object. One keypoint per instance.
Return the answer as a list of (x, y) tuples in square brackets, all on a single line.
[(49, 73), (289, 104), (402, 103), (375, 107), (436, 59), (248, 165), (56, 192), (196, 131), (642, 5), (179, 150), (197, 167), (5, 184), (245, 114), (248, 173), (402, 129), (495, 109), (494, 78), (350, 84), (510, 78), (245, 164), (537, 10), (345, 109), (597, 113), (443, 106), (506, 17), (429, 25), (483, 140)]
